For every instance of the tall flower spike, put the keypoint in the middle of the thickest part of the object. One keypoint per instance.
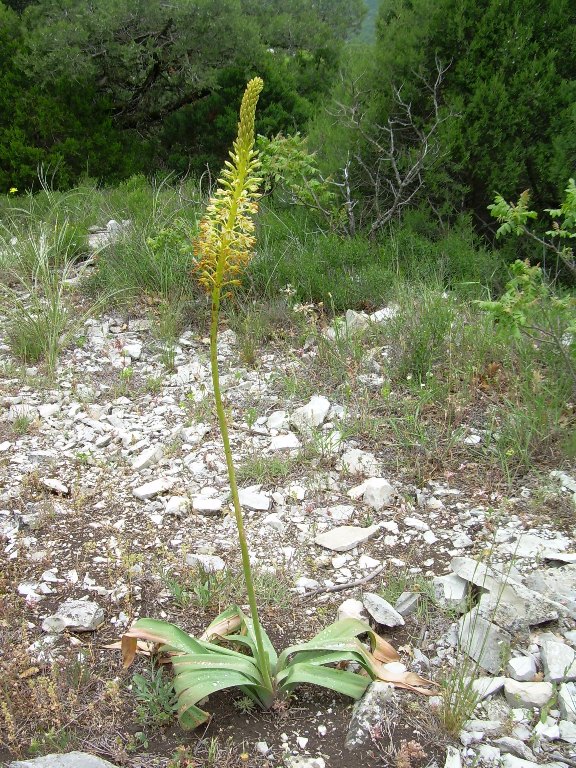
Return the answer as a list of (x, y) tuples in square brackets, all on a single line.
[(226, 237)]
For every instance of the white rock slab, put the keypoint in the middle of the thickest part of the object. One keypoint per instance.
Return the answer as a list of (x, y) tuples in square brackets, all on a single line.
[(559, 662), (177, 505), (284, 442), (378, 492), (206, 504), (153, 488), (345, 537), (77, 615), (358, 462), (54, 485), (209, 563), (483, 641), (48, 410), (567, 701), (259, 502), (311, 415), (148, 457), (68, 760), (277, 420), (487, 686), (521, 668), (381, 610), (528, 695), (352, 609)]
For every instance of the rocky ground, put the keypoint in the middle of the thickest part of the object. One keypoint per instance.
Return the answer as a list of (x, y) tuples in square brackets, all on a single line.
[(114, 504)]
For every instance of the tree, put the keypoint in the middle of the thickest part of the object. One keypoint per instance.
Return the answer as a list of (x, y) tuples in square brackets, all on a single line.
[(509, 75), (147, 59)]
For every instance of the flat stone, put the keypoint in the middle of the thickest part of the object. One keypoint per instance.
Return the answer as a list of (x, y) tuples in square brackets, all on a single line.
[(416, 523), (567, 731), (483, 641), (452, 591), (206, 504), (48, 410), (54, 485), (381, 610), (378, 493), (301, 761), (133, 350), (253, 500), (352, 609), (531, 546), (358, 462), (345, 537), (529, 695), (559, 662), (311, 415), (277, 420), (487, 686), (69, 760), (153, 488), (407, 604), (177, 505), (486, 577), (521, 668), (510, 761), (516, 747), (284, 442), (567, 701), (147, 458), (368, 713), (453, 759), (488, 754), (558, 584), (76, 615), (208, 563)]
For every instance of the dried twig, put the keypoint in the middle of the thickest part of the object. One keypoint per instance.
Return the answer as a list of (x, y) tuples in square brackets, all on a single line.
[(342, 587)]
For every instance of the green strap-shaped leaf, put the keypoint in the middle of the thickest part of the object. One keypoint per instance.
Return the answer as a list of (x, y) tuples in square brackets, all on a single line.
[(338, 680), (206, 682), (171, 637), (190, 664), (268, 647)]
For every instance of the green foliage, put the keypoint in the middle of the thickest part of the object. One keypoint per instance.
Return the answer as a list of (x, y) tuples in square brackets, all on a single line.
[(509, 79), (203, 667), (155, 696), (513, 218), (290, 170)]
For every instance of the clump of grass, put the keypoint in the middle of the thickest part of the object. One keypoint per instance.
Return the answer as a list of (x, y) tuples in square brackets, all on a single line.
[(266, 469)]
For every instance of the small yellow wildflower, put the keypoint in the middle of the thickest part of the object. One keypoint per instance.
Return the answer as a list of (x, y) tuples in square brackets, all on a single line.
[(13, 190)]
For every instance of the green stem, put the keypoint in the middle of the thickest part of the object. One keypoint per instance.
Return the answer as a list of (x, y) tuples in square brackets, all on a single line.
[(263, 661)]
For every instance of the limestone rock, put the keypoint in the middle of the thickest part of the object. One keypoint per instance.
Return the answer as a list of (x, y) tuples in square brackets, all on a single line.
[(69, 760), (407, 603), (253, 500), (453, 759), (483, 641), (284, 442), (345, 537), (311, 415), (147, 458), (559, 662), (377, 703), (153, 488), (452, 591), (352, 609), (567, 701), (558, 584), (521, 668), (358, 462), (381, 610), (529, 695), (378, 492), (208, 563), (77, 615)]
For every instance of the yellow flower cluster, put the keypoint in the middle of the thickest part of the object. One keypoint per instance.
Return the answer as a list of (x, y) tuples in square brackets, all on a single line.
[(226, 239)]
